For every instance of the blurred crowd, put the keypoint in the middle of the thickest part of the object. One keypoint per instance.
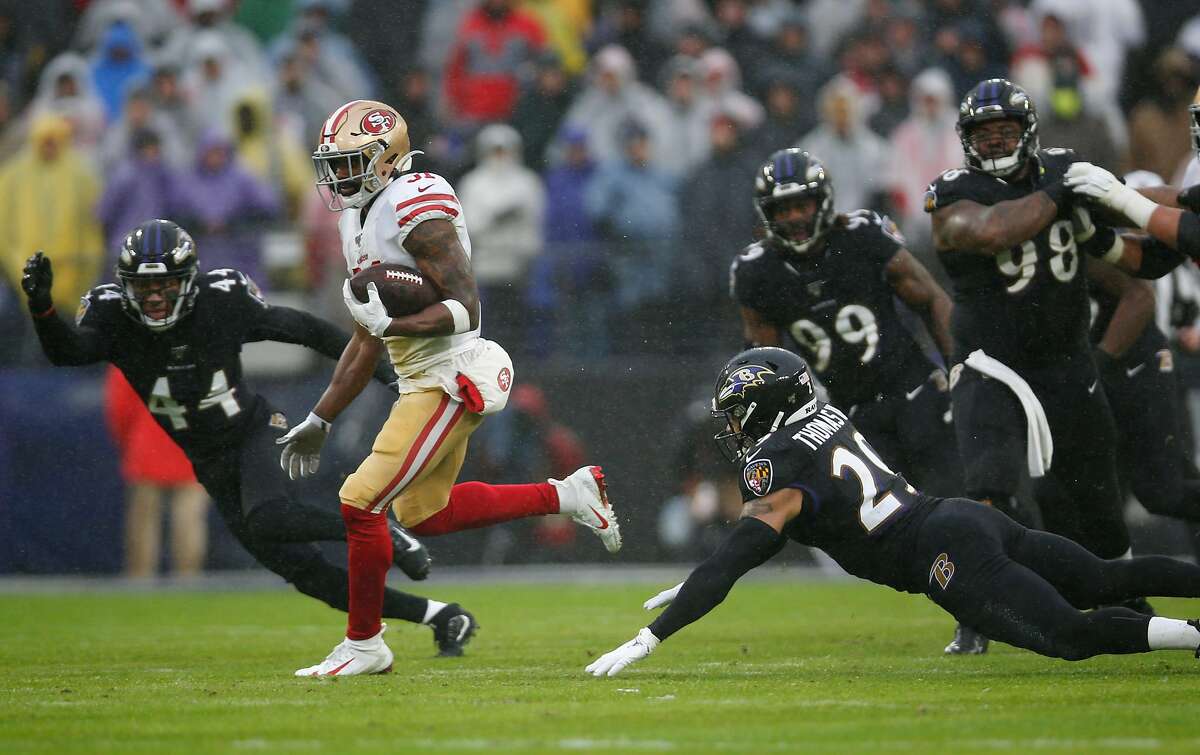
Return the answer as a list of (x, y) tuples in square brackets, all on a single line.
[(604, 150)]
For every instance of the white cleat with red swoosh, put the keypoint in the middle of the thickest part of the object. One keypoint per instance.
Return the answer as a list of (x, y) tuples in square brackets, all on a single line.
[(584, 496), (352, 657)]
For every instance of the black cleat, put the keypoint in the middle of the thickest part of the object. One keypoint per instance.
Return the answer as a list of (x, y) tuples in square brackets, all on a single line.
[(966, 642), (453, 628), (1195, 624), (408, 553)]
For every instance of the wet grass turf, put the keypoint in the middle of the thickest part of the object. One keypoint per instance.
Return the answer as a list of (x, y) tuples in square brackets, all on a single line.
[(818, 667)]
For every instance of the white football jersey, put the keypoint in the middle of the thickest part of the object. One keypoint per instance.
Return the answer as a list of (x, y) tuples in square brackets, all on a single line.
[(404, 203)]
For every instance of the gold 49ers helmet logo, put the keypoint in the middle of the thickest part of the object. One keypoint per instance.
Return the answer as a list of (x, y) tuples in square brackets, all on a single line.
[(377, 121)]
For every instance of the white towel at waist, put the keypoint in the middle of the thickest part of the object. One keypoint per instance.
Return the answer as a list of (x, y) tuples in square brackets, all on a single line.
[(1039, 445)]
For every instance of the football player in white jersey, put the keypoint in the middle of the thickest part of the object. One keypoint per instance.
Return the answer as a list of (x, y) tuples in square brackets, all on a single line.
[(449, 378)]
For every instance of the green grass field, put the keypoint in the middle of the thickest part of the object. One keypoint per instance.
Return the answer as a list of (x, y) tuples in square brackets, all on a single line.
[(812, 666)]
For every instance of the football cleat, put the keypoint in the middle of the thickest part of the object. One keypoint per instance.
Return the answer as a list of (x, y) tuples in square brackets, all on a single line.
[(1195, 624), (353, 657), (967, 642), (408, 553), (583, 495), (453, 627)]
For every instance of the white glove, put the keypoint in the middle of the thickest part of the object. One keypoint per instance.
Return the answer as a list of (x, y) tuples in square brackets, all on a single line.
[(373, 315), (664, 598), (614, 661), (1098, 184), (302, 447)]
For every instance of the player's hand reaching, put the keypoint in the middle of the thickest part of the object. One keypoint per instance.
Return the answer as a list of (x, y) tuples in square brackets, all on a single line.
[(373, 315), (664, 598), (615, 661), (36, 281), (301, 455), (1092, 181)]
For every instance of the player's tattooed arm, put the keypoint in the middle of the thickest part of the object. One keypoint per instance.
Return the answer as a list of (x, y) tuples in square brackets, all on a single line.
[(916, 287), (439, 254), (973, 228), (757, 331), (777, 509)]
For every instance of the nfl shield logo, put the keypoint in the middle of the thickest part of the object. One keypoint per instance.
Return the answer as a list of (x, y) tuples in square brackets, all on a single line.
[(758, 476)]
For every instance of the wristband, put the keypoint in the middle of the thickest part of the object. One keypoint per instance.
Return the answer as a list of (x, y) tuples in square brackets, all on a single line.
[(314, 419), (44, 314), (1134, 206), (1115, 252), (462, 320)]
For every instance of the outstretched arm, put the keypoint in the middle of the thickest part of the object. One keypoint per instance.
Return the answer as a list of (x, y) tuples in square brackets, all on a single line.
[(916, 287), (754, 540), (64, 345), (287, 325), (973, 228)]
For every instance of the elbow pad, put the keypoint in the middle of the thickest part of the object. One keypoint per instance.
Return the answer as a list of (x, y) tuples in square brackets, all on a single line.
[(1188, 234), (1158, 259)]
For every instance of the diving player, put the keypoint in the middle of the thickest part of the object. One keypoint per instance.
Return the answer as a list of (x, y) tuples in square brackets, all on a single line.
[(177, 334), (808, 475)]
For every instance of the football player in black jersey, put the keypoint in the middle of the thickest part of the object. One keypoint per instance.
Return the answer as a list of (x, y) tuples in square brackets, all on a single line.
[(829, 281), (177, 334), (809, 476)]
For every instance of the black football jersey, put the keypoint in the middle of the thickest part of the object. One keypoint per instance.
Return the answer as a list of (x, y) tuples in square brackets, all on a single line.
[(190, 375), (836, 305), (1028, 304), (855, 509)]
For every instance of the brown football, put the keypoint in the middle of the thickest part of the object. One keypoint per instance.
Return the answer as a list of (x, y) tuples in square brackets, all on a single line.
[(403, 290)]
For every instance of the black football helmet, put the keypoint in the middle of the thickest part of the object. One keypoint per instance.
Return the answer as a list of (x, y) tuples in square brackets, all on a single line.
[(158, 259), (998, 99), (787, 174), (756, 393)]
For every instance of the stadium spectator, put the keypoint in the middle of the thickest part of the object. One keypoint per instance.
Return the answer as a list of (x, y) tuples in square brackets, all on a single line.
[(967, 58), (224, 206), (50, 192), (1068, 119), (564, 29), (633, 202), (1159, 126), (720, 220), (891, 101), (1106, 29), (623, 23), (723, 88), (302, 97), (785, 120), (152, 20), (611, 98), (921, 147), (851, 151), (215, 78), (907, 47), (272, 152), (504, 204), (118, 62), (830, 20), (211, 19), (65, 88), (156, 474), (140, 115), (335, 60), (542, 108), (569, 282), (141, 185), (691, 111), (792, 61), (735, 34), (483, 75), (172, 103)]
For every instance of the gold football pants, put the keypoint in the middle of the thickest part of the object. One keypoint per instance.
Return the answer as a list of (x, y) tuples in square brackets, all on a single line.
[(415, 459)]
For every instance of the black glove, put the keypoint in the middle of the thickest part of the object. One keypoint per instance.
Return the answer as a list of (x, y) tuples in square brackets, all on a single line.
[(1189, 198), (36, 282)]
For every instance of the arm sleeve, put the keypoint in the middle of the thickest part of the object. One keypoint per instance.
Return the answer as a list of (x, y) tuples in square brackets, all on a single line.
[(288, 325), (67, 346), (1158, 259), (752, 543)]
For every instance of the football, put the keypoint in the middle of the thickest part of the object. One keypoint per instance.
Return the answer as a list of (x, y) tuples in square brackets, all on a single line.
[(403, 290)]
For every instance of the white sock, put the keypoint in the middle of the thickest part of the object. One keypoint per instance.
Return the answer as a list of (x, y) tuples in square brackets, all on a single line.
[(431, 609), (1171, 634), (565, 504), (370, 643)]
